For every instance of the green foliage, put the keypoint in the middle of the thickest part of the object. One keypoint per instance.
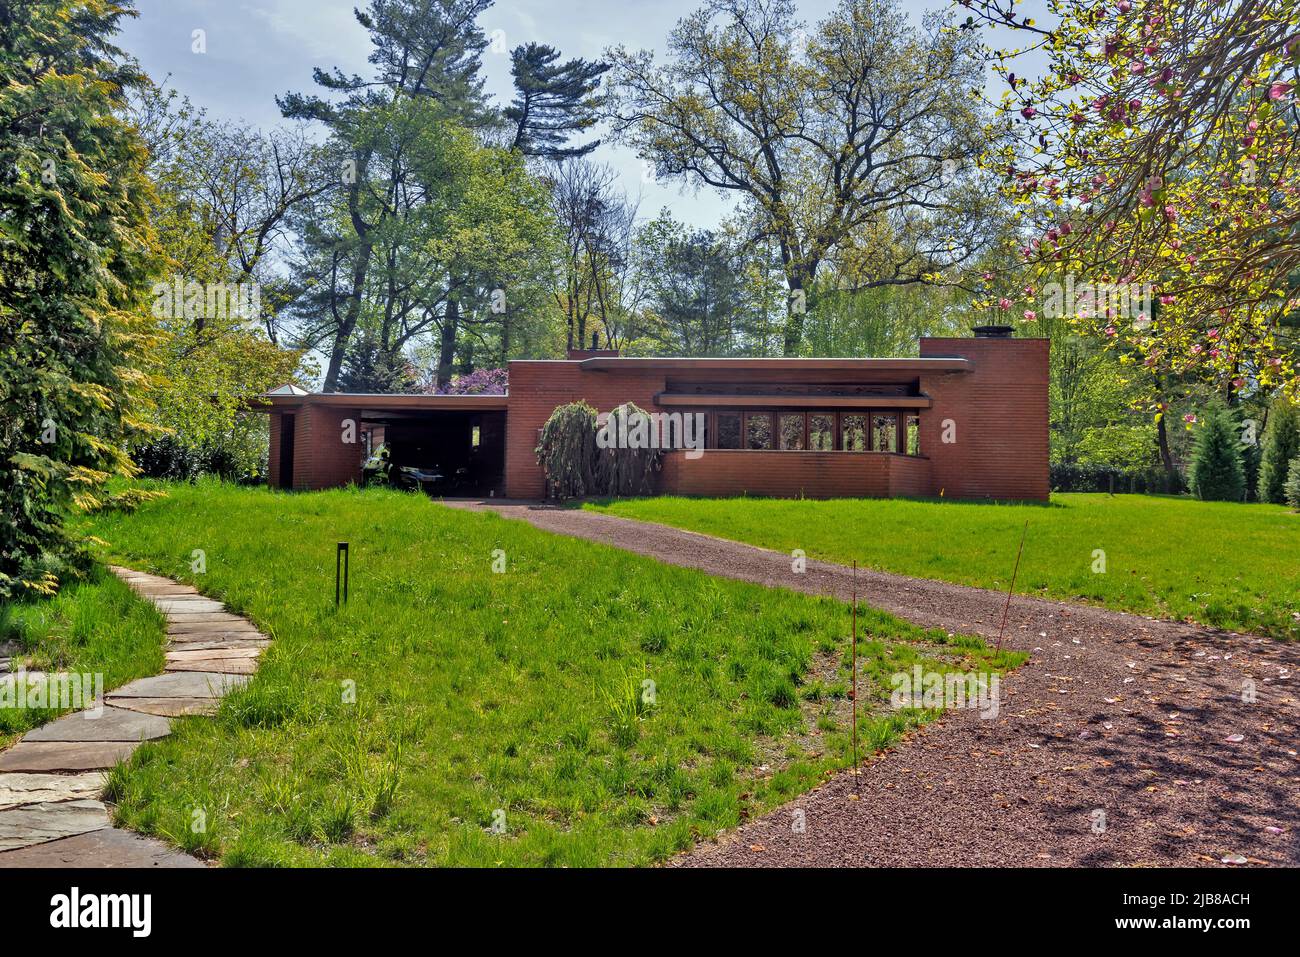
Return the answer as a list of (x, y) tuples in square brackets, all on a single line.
[(553, 101), (1292, 489), (524, 692), (626, 471), (567, 451), (1281, 446), (223, 194), (1157, 559), (575, 464), (94, 626), (1217, 473), (76, 249)]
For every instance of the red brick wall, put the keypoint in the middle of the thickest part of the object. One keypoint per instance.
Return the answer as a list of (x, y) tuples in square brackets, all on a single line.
[(321, 459), (273, 463), (791, 474), (1000, 415), (536, 388)]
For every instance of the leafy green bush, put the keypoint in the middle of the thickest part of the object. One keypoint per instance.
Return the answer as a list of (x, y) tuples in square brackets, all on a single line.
[(76, 249), (1217, 470), (1281, 446), (576, 466), (1293, 484), (567, 451)]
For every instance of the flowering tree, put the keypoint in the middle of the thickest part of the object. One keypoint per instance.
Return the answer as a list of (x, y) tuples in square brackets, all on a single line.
[(479, 382), (1157, 151)]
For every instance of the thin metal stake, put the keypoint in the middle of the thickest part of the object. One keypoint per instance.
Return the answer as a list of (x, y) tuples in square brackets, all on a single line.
[(341, 562), (1007, 607), (855, 667)]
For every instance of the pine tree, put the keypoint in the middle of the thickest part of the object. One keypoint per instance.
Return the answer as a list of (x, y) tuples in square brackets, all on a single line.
[(1217, 471), (1281, 445), (552, 101), (77, 258), (1292, 490)]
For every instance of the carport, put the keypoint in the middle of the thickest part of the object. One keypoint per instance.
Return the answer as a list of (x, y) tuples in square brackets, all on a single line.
[(322, 440)]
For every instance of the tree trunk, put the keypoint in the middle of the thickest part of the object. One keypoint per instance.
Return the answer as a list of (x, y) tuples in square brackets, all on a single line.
[(344, 332), (796, 308), (447, 340)]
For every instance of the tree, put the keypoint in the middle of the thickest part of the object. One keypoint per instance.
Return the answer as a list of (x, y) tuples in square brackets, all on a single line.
[(696, 293), (1159, 149), (597, 228), (1281, 445), (858, 139), (552, 101), (424, 50), (1293, 485), (76, 251), (1217, 473), (223, 197)]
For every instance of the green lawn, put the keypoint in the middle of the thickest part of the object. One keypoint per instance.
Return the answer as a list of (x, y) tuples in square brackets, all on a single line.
[(1224, 564), (514, 699), (97, 626)]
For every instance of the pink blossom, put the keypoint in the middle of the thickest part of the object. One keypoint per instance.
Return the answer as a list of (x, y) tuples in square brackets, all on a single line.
[(1125, 6), (1190, 418), (1004, 303), (1137, 68), (1278, 90), (1167, 300), (1111, 331), (1171, 214), (1030, 315), (1029, 112)]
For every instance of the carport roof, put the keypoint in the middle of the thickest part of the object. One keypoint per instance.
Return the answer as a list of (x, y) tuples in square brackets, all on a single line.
[(389, 402)]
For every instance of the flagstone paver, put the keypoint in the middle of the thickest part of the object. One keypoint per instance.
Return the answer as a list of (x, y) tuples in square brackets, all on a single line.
[(111, 724), (195, 684), (105, 847), (65, 755), (50, 779), (48, 821), (19, 788)]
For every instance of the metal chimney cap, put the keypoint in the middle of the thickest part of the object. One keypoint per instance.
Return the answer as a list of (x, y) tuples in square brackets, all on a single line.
[(993, 332)]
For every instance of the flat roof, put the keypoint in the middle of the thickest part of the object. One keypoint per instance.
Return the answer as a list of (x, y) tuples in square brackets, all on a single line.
[(382, 401), (921, 364)]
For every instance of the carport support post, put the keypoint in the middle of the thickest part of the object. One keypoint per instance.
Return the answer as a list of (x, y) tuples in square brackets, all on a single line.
[(341, 562)]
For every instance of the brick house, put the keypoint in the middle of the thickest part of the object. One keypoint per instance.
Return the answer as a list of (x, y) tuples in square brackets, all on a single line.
[(968, 418)]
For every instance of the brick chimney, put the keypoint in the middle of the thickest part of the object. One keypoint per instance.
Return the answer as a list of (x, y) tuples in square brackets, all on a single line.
[(594, 351)]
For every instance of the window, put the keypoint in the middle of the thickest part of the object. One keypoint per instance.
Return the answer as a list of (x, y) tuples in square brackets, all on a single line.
[(792, 431), (475, 437), (853, 433), (884, 432), (758, 431), (913, 435), (821, 431), (728, 430)]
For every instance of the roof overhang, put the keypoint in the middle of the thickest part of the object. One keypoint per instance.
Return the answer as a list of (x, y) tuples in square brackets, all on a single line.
[(916, 365), (795, 401), (388, 402)]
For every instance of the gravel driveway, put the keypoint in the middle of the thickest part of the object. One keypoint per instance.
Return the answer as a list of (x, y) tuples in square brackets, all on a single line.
[(1122, 741)]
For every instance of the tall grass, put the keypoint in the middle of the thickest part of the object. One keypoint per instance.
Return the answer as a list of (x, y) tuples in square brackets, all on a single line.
[(586, 707), (1224, 564)]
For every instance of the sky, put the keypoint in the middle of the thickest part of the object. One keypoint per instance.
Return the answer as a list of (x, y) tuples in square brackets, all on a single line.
[(257, 49)]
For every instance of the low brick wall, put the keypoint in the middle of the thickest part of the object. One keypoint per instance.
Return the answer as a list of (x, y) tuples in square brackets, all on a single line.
[(722, 472)]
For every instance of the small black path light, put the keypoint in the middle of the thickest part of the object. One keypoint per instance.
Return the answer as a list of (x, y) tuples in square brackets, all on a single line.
[(341, 565)]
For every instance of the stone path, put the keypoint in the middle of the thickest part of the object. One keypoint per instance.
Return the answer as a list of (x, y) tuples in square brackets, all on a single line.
[(52, 780)]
